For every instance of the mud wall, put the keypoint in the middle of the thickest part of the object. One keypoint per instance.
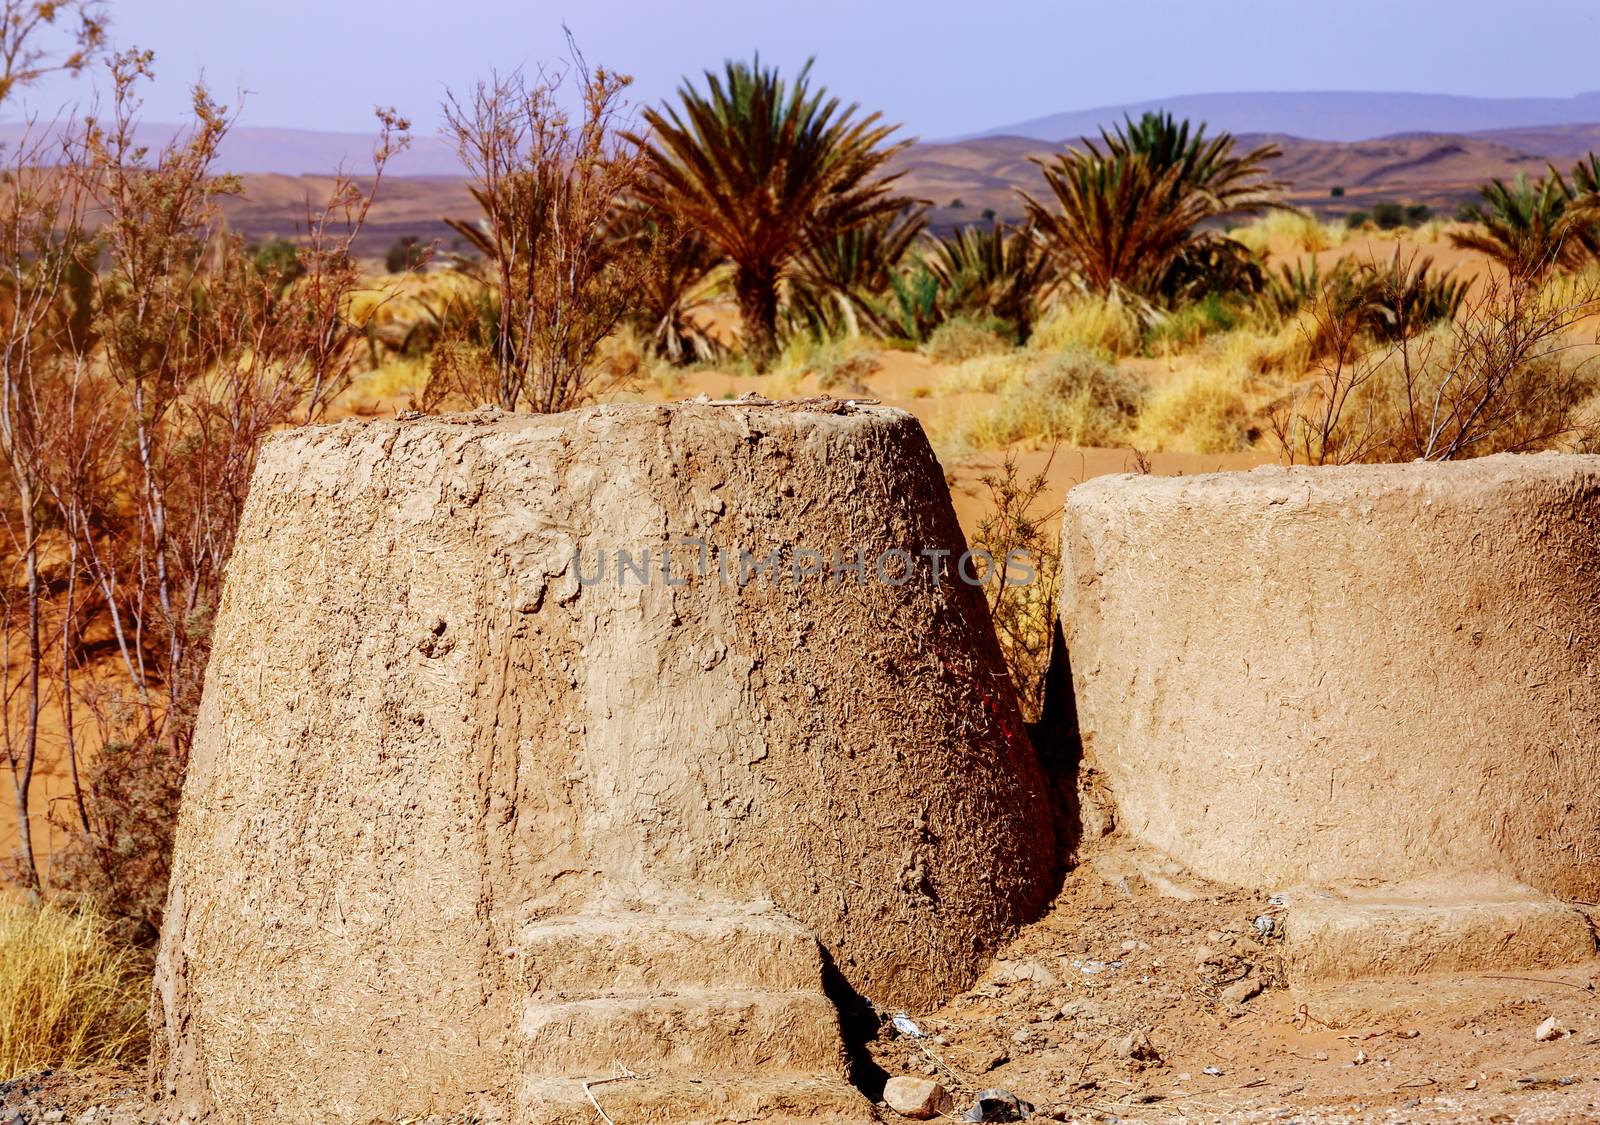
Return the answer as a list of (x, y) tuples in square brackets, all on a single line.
[(424, 730), (1338, 674)]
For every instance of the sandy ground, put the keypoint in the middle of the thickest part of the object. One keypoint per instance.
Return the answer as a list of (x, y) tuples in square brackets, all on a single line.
[(1380, 250)]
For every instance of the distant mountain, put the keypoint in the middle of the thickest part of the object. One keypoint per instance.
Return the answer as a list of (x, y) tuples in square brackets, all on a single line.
[(1331, 116), (1553, 141), (1432, 149), (1548, 127), (1418, 163), (963, 179), (252, 149)]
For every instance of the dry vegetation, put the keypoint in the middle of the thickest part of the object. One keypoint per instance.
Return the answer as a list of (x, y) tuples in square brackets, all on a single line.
[(149, 351), (71, 995)]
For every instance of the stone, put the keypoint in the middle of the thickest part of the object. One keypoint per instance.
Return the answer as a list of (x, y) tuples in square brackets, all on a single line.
[(1028, 971), (917, 1097), (1240, 991), (994, 1060), (1136, 1047), (999, 1105)]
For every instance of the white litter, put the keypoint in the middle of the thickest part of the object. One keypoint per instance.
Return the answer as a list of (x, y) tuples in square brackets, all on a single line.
[(904, 1025)]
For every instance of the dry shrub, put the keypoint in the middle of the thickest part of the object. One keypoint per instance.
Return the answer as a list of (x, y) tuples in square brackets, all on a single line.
[(151, 351), (1506, 376), (986, 374), (1203, 411), (1076, 398), (461, 373), (1108, 325), (1022, 604), (123, 860), (27, 27), (1254, 351), (961, 339), (557, 277), (70, 996)]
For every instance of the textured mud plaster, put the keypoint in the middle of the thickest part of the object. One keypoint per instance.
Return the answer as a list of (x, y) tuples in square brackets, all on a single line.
[(421, 736), (1342, 674)]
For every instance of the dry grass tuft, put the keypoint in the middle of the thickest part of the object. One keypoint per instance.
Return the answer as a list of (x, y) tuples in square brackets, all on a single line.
[(1099, 324), (1254, 351), (1293, 232), (70, 997), (1203, 411), (842, 365), (1075, 397), (961, 339), (985, 374), (1432, 231), (395, 380)]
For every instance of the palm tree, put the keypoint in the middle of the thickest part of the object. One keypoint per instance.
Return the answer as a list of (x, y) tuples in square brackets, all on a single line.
[(1585, 210), (766, 169), (1526, 226), (992, 272), (1392, 302), (1409, 294), (1586, 175), (663, 307), (1128, 211), (838, 284)]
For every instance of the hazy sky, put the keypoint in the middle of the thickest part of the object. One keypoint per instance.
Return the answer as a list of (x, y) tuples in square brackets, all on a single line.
[(938, 66)]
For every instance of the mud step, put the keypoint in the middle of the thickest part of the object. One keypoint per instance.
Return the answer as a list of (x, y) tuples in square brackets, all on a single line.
[(688, 1033), (1431, 927), (640, 953), (713, 1100)]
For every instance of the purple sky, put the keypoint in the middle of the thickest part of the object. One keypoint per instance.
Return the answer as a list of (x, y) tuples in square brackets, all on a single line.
[(941, 68)]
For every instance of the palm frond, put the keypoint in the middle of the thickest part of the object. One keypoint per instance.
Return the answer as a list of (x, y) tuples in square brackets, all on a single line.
[(1531, 226), (766, 170), (1124, 213)]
